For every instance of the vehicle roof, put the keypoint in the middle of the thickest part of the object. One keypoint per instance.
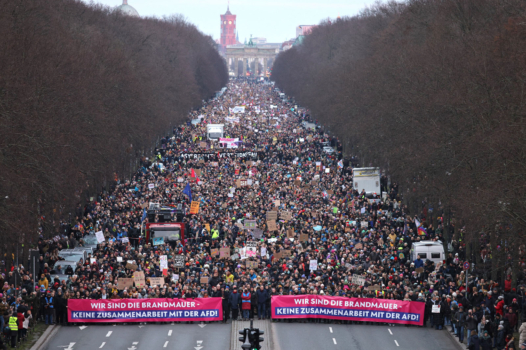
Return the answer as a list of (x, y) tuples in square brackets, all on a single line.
[(428, 243)]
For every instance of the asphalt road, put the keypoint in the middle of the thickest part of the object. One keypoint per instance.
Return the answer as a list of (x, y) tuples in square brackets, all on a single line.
[(302, 336), (145, 337)]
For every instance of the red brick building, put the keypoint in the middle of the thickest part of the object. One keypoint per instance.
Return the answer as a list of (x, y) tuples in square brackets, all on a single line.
[(228, 29)]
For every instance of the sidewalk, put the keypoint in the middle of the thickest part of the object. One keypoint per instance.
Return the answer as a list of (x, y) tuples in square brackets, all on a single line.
[(452, 335)]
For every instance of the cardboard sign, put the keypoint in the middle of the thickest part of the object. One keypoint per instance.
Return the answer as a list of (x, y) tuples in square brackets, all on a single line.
[(124, 283), (214, 164), (375, 287), (286, 215), (277, 203), (358, 246), (286, 253), (131, 266), (304, 237), (419, 270), (203, 280), (271, 224), (278, 255), (358, 280), (156, 281), (272, 215), (214, 252), (250, 224), (202, 144), (224, 252), (138, 278), (198, 172), (179, 261), (194, 207), (297, 183), (290, 233), (224, 205), (252, 264)]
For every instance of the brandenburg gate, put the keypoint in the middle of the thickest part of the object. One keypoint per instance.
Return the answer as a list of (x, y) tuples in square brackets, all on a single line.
[(247, 55)]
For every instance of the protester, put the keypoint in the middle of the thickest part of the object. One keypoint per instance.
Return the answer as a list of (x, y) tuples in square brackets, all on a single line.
[(278, 167)]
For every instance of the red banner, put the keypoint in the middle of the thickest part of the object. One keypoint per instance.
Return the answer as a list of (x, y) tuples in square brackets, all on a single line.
[(145, 310), (351, 309)]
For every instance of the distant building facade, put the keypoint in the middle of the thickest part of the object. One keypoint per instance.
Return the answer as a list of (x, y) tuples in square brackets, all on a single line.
[(304, 29)]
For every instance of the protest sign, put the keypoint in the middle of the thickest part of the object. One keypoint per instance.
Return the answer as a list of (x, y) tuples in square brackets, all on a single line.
[(286, 253), (194, 207), (290, 233), (250, 224), (144, 310), (278, 255), (272, 215), (151, 186), (313, 265), (163, 262), (119, 259), (138, 278), (179, 261), (286, 215), (124, 283), (435, 309), (251, 249), (419, 270), (158, 240), (358, 280), (214, 252), (203, 280), (359, 246), (271, 224), (131, 266), (125, 240), (304, 237), (156, 281), (251, 264), (100, 236), (350, 309), (224, 252)]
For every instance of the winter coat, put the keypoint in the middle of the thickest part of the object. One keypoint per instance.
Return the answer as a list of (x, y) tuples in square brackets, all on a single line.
[(234, 300), (475, 342), (522, 333), (262, 296), (245, 300), (499, 307), (486, 343)]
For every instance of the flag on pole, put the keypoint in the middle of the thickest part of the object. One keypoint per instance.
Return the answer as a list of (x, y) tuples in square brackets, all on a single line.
[(188, 191), (420, 229)]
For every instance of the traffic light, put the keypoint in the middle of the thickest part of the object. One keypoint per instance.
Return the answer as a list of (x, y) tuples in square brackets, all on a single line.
[(255, 338), (245, 339)]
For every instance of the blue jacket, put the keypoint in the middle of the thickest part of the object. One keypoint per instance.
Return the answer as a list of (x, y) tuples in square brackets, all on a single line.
[(418, 263), (234, 300)]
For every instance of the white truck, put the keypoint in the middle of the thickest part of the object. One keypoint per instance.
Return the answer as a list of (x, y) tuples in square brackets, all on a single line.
[(214, 131), (367, 179)]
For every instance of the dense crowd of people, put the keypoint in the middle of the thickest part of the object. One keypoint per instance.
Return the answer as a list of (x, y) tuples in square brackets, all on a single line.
[(321, 217)]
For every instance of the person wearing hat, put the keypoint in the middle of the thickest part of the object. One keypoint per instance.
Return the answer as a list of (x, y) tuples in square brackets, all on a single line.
[(485, 341), (460, 318)]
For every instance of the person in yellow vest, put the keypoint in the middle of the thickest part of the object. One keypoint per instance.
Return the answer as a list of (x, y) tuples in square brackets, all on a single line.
[(13, 328), (215, 233)]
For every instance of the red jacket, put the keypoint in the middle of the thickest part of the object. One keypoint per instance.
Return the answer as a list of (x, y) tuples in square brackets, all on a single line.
[(245, 301), (499, 307), (507, 285), (21, 319)]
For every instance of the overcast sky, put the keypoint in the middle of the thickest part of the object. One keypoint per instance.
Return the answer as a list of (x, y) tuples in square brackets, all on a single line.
[(272, 19)]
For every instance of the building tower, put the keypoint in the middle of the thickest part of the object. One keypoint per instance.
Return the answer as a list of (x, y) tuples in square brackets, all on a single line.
[(228, 29)]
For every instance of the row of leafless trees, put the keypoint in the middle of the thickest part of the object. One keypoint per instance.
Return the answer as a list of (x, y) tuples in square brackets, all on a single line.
[(433, 91), (85, 91)]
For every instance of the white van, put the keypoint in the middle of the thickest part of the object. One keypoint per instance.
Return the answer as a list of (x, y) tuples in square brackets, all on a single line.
[(428, 250)]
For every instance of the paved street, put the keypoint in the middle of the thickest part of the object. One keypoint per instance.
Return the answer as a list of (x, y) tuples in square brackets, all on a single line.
[(286, 336), (147, 337), (301, 336)]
